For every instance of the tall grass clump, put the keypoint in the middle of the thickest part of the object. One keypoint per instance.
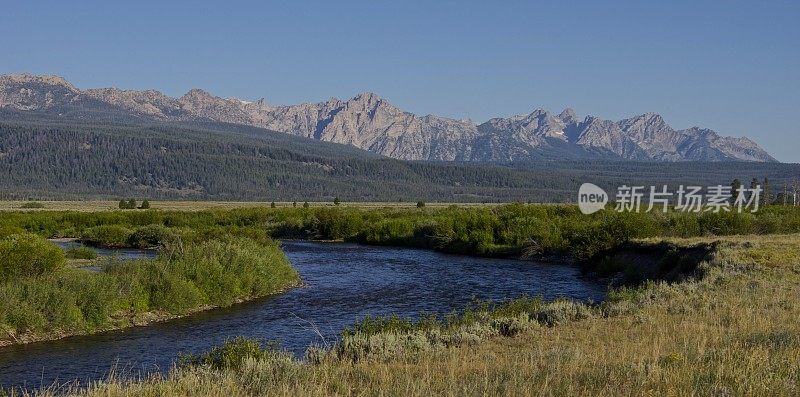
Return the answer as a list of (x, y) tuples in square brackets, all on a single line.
[(231, 355), (112, 236), (24, 255), (152, 236), (36, 304), (385, 338), (81, 252)]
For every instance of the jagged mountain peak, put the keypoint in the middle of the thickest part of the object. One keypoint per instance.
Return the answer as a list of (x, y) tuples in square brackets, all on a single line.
[(197, 93), (370, 100), (367, 96), (367, 99), (645, 118), (568, 116)]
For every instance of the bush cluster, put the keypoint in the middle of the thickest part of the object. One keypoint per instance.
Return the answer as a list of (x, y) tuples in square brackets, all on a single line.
[(39, 295), (81, 252), (24, 255), (119, 236)]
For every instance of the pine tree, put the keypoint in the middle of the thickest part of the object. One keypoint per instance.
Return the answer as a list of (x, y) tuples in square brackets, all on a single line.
[(272, 205), (336, 201), (145, 205)]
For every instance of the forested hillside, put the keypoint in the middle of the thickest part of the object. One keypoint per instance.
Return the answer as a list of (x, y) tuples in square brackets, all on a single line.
[(58, 159)]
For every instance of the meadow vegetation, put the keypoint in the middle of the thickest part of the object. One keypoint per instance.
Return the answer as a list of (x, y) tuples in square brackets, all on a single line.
[(40, 298), (731, 329), (81, 252), (507, 230)]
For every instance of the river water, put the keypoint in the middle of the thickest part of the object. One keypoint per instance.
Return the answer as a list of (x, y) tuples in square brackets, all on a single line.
[(344, 283)]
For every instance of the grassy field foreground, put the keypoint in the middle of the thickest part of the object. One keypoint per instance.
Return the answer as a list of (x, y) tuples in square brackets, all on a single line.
[(733, 330)]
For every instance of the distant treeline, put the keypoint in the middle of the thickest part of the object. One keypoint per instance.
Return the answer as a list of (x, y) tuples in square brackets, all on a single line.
[(52, 159)]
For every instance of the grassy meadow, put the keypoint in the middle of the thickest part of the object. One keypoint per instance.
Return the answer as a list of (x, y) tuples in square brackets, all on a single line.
[(731, 329)]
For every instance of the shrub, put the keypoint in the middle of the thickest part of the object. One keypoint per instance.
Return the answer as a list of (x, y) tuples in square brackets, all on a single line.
[(171, 290), (31, 205), (27, 254), (81, 252), (6, 231), (228, 356), (107, 236), (152, 236), (239, 268), (388, 231)]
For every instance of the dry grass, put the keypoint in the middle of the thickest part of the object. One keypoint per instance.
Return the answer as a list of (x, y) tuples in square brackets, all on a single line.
[(108, 205), (734, 332)]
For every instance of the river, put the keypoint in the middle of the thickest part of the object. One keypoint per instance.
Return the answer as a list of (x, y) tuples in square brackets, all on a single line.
[(344, 282)]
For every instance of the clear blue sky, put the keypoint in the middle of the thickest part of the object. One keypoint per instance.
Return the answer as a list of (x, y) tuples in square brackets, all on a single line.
[(731, 66)]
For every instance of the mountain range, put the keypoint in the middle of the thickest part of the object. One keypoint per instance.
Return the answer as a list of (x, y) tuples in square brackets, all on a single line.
[(370, 122)]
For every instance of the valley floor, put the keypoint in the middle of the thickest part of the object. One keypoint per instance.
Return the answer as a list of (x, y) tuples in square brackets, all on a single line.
[(732, 331)]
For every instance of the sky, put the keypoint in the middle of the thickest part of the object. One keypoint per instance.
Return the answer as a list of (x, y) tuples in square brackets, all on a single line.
[(731, 66)]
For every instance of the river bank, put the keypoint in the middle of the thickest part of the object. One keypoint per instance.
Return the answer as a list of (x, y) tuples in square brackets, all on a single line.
[(130, 321), (68, 301)]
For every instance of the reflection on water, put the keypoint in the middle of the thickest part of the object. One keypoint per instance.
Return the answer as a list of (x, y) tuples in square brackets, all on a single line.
[(344, 282)]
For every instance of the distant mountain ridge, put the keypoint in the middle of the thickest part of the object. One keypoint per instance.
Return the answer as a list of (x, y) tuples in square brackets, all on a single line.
[(369, 122)]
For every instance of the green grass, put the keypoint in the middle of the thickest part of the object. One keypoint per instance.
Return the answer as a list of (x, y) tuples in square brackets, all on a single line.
[(68, 301)]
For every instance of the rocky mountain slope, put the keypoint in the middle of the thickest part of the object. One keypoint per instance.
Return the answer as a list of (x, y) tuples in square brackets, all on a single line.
[(372, 123)]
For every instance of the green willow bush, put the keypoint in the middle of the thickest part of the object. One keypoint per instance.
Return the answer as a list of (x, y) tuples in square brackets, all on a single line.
[(81, 252), (151, 236), (114, 236), (211, 273), (23, 255)]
